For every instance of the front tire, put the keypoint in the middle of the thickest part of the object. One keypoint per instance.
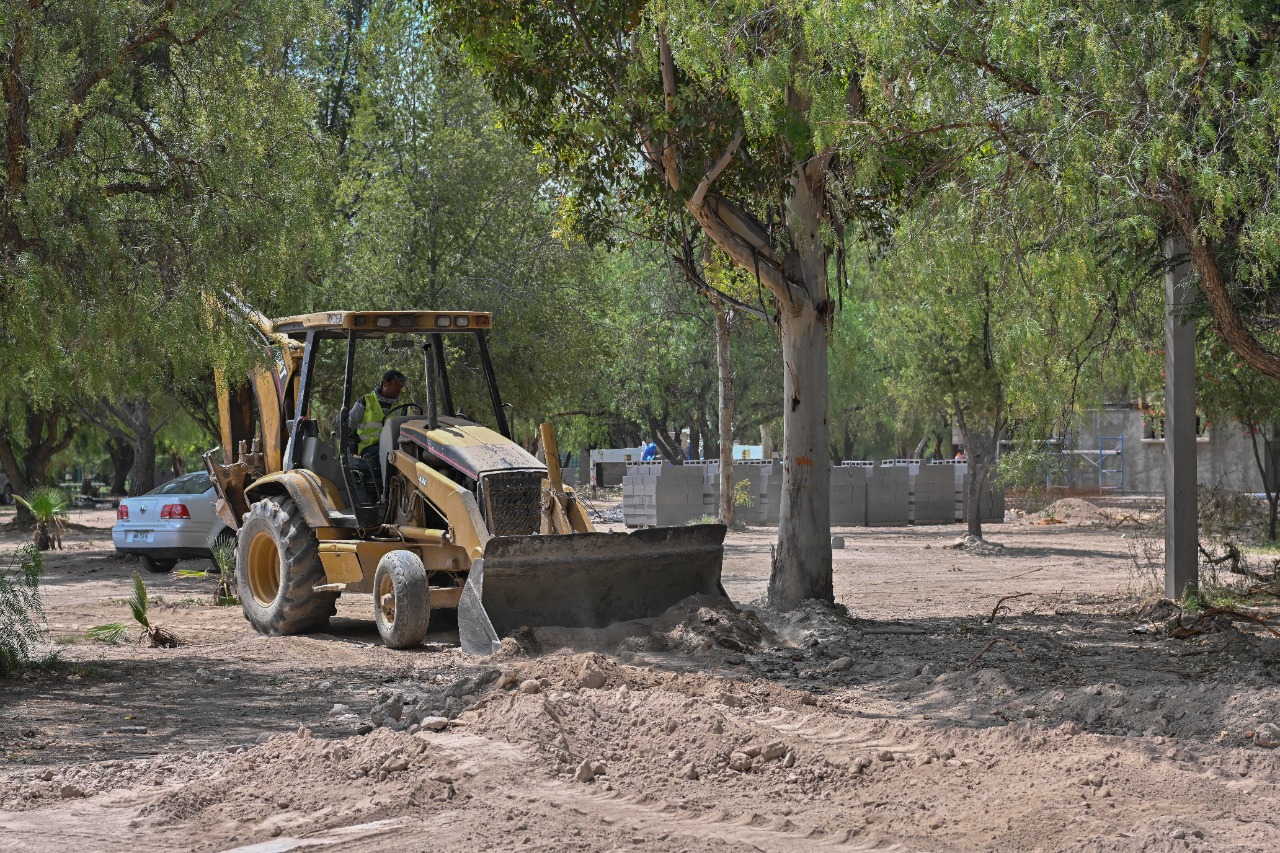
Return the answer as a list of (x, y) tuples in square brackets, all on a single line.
[(156, 566), (6, 497), (277, 567), (401, 601)]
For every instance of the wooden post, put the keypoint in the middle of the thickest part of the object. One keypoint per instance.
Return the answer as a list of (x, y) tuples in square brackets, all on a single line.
[(1181, 535)]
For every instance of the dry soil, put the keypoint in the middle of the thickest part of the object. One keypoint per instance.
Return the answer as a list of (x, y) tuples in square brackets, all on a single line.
[(907, 718)]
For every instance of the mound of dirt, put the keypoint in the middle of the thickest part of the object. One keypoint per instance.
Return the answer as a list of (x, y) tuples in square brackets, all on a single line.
[(974, 545), (1075, 511), (708, 628)]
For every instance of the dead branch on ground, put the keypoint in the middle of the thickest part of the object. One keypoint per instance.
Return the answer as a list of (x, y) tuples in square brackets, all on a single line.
[(990, 620)]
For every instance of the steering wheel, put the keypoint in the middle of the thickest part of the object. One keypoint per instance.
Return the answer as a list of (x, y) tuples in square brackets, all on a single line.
[(391, 411)]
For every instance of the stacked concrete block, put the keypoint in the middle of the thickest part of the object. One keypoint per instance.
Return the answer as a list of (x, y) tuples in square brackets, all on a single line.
[(888, 495), (679, 494), (767, 494), (639, 494), (849, 496), (959, 470), (752, 472), (933, 495), (657, 494), (912, 465), (743, 471)]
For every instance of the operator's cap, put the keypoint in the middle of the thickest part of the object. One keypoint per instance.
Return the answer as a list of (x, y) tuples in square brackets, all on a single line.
[(394, 376)]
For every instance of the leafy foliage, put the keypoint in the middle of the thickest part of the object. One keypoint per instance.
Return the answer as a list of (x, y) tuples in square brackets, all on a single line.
[(22, 623), (1165, 114), (138, 603), (109, 634), (48, 504), (156, 149)]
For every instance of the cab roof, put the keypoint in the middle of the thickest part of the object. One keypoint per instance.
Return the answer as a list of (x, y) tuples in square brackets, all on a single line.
[(336, 324)]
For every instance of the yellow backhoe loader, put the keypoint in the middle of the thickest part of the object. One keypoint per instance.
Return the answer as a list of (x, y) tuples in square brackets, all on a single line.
[(454, 514)]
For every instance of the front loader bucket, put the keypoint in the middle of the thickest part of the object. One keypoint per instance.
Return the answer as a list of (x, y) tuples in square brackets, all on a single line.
[(585, 580)]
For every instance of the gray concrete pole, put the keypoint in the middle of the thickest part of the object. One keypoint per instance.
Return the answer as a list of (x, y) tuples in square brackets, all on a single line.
[(1181, 536)]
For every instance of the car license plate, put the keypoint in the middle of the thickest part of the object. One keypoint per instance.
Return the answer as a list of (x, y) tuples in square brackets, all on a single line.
[(140, 535)]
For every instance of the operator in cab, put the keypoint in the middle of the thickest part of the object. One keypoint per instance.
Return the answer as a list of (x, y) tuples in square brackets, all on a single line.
[(365, 419)]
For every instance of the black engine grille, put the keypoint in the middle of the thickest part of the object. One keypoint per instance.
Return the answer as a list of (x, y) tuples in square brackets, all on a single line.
[(513, 502)]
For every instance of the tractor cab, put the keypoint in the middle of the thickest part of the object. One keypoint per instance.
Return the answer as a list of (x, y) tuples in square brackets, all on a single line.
[(323, 363)]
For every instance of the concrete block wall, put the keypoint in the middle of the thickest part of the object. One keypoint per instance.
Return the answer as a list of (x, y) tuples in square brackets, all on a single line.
[(769, 496), (658, 494), (765, 488), (894, 493), (849, 496), (639, 494), (933, 495), (958, 470), (888, 495), (750, 471)]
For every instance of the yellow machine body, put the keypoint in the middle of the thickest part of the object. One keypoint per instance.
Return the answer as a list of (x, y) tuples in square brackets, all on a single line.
[(499, 535)]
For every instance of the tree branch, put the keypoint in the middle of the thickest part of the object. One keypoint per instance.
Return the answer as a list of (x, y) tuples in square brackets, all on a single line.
[(701, 192), (708, 289), (986, 65), (669, 165), (1226, 318)]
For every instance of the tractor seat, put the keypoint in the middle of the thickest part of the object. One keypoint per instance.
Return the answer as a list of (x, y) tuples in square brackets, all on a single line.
[(387, 442)]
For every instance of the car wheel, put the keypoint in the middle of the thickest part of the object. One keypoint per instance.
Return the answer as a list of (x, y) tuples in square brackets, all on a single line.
[(6, 497), (277, 569), (157, 566)]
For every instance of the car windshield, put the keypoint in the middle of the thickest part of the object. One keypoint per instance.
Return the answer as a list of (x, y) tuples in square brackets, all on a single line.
[(188, 484)]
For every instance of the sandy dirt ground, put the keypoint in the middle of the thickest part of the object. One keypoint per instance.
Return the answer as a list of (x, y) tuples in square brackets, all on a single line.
[(904, 719)]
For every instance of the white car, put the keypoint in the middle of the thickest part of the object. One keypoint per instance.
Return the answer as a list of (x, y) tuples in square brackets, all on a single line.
[(174, 522)]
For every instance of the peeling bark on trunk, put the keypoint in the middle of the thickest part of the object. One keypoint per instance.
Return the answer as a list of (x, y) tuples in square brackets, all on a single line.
[(725, 408), (802, 563)]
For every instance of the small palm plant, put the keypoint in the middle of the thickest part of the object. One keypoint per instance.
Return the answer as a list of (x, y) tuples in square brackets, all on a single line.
[(138, 603), (139, 606), (224, 562), (48, 504)]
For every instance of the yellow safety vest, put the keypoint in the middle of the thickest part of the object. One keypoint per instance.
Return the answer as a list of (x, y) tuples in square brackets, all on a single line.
[(370, 429)]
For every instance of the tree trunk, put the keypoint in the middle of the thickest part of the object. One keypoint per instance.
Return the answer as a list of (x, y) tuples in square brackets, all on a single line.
[(121, 453), (1271, 489), (980, 454), (27, 466), (973, 493), (142, 478), (725, 408), (802, 563), (670, 450)]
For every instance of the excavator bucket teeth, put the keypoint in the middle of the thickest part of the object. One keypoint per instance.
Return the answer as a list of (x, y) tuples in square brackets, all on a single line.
[(585, 580)]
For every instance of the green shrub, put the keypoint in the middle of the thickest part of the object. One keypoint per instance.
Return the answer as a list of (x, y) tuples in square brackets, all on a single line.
[(48, 505), (22, 623)]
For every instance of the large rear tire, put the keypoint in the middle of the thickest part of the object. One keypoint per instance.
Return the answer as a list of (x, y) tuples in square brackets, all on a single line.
[(277, 567), (401, 600)]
